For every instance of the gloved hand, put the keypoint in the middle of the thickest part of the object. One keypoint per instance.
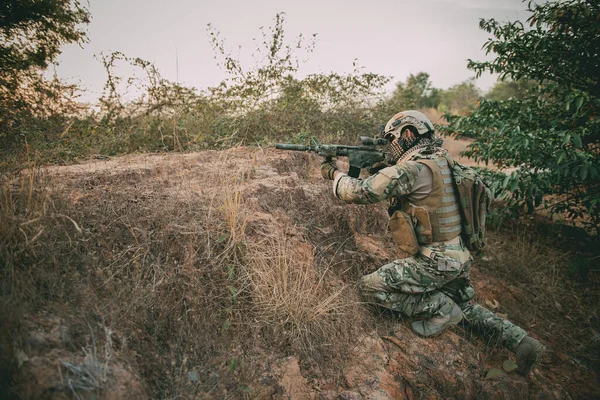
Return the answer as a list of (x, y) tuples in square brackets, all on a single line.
[(328, 168)]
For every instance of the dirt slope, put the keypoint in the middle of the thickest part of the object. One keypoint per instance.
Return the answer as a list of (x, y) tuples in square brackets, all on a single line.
[(283, 195)]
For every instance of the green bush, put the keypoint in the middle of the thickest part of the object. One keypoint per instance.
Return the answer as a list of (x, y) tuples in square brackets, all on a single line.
[(550, 137), (31, 34)]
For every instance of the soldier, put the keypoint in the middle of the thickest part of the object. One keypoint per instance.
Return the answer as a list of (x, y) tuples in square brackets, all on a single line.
[(432, 284)]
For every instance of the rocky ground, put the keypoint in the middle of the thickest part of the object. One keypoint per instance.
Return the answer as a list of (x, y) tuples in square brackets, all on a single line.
[(282, 194)]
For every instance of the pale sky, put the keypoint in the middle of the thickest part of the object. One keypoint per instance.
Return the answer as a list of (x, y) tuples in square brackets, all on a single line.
[(389, 37)]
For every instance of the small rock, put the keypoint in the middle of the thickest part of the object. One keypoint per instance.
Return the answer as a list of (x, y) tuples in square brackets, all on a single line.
[(193, 376)]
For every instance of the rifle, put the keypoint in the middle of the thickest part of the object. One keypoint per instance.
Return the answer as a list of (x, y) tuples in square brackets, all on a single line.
[(359, 156)]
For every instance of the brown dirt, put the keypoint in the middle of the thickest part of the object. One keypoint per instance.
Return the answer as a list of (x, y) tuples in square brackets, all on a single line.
[(283, 195)]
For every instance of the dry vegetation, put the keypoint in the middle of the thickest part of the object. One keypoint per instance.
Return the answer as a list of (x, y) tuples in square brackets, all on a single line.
[(232, 273), (167, 261), (196, 275)]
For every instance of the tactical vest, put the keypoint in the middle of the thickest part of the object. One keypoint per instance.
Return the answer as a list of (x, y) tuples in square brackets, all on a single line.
[(437, 215), (436, 218)]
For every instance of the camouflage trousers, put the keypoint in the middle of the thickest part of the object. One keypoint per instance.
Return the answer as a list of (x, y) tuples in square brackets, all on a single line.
[(418, 287)]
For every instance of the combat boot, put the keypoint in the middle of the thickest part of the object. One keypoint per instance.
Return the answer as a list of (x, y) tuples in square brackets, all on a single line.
[(436, 325), (529, 354)]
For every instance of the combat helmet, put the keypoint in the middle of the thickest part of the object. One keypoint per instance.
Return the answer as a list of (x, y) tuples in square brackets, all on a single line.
[(413, 118), (419, 125)]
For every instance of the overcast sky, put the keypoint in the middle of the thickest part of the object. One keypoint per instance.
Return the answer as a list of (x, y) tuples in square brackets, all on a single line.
[(390, 37)]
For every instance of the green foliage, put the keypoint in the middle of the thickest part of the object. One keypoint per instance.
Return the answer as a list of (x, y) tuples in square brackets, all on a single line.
[(461, 98), (260, 103), (507, 89), (416, 93), (268, 101), (550, 136), (509, 365), (31, 34), (494, 373)]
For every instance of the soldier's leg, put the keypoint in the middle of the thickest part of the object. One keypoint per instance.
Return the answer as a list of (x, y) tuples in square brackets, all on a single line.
[(493, 327), (420, 305), (529, 351), (460, 290), (437, 310), (418, 274), (489, 324), (408, 286)]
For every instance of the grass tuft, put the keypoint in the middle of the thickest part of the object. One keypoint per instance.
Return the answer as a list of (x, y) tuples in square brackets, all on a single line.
[(291, 297)]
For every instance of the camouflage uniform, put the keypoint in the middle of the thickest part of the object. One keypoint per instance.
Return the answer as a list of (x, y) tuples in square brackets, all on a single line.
[(418, 286)]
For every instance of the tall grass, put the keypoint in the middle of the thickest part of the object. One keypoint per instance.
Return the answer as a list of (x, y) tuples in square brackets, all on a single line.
[(290, 296)]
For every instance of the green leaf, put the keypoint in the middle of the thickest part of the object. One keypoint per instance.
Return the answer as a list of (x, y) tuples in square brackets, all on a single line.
[(225, 326), (506, 180), (583, 172), (578, 103), (509, 365), (222, 238), (566, 138), (493, 373), (577, 141), (233, 292), (230, 272), (514, 185), (233, 364)]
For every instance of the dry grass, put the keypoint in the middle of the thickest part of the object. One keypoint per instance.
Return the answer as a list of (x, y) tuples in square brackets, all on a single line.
[(171, 272), (546, 293), (211, 277), (291, 297), (152, 270)]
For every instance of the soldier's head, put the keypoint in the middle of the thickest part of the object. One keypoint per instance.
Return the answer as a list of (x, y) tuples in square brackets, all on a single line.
[(405, 130)]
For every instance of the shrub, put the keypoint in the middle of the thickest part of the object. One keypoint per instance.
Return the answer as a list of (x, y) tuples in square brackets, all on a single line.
[(31, 34), (550, 136)]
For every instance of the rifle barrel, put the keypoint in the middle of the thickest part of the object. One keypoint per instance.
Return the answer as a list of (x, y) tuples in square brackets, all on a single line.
[(296, 147)]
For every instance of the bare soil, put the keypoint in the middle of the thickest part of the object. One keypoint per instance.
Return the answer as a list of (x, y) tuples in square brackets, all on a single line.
[(94, 343)]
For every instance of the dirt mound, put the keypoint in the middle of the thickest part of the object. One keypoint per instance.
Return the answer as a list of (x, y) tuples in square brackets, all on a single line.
[(272, 195), (51, 365)]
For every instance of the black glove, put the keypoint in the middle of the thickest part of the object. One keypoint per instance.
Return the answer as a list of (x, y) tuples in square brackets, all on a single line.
[(328, 168)]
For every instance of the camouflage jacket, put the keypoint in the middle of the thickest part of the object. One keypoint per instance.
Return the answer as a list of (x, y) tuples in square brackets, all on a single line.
[(407, 179)]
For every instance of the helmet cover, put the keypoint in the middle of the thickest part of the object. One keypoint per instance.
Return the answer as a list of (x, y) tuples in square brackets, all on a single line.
[(418, 120)]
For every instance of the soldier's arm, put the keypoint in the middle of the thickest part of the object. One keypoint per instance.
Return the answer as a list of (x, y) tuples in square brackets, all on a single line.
[(397, 180)]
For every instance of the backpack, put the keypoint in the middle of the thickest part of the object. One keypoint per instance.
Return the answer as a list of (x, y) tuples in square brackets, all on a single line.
[(475, 198)]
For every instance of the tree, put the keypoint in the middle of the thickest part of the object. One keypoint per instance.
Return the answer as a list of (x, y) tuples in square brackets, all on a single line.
[(506, 89), (31, 34), (416, 92), (550, 135), (461, 98)]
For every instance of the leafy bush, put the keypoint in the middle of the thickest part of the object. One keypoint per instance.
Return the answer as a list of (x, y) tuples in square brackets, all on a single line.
[(506, 89), (268, 101), (256, 104), (31, 33), (416, 92), (549, 138)]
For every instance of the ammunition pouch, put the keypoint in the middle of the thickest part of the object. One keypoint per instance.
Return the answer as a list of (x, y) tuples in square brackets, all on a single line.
[(403, 232), (423, 226)]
